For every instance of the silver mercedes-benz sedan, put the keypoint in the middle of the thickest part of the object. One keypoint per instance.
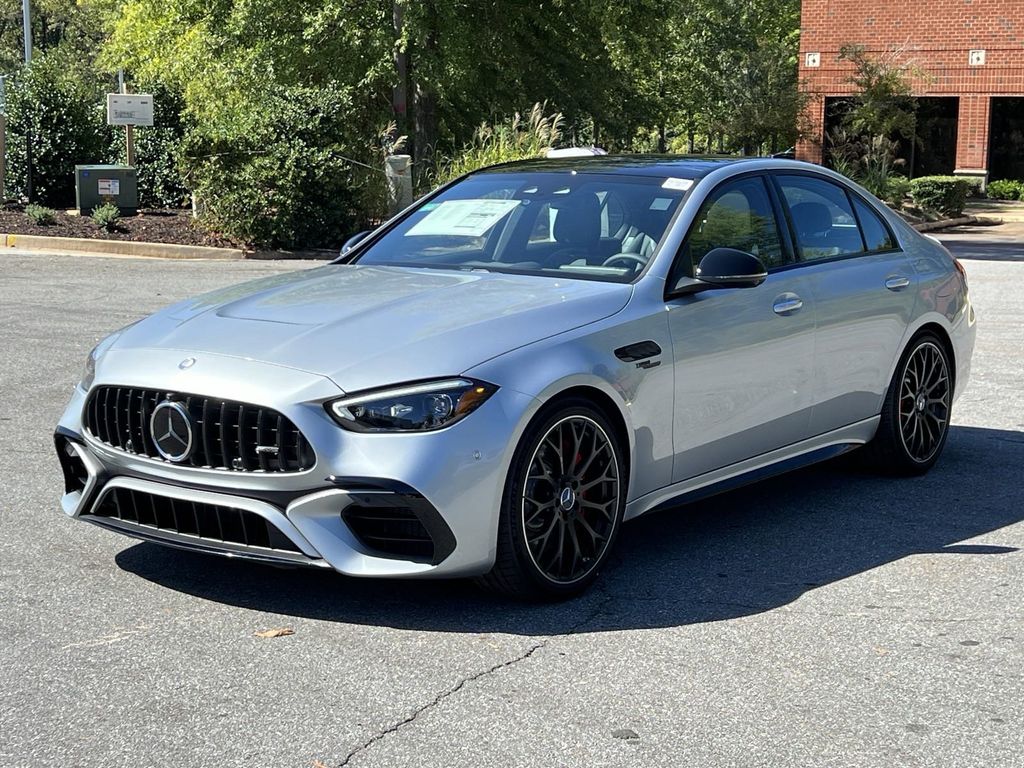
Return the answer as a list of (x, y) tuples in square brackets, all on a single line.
[(491, 383)]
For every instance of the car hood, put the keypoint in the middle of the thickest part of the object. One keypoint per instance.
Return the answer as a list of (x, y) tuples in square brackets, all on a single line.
[(368, 326)]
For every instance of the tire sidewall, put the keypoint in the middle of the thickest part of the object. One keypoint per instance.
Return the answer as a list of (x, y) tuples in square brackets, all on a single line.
[(512, 500), (895, 392)]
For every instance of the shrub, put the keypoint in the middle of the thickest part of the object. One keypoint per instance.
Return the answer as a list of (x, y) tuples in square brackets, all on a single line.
[(50, 102), (974, 186), (275, 172), (106, 216), (1006, 189), (943, 194), (40, 214), (898, 190), (512, 140)]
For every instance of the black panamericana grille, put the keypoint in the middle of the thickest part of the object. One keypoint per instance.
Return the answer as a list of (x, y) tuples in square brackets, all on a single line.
[(226, 434), (206, 521)]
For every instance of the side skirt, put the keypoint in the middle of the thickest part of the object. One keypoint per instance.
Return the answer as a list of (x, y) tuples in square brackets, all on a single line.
[(805, 453)]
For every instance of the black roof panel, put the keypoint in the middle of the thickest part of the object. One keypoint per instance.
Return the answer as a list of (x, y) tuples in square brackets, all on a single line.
[(679, 166)]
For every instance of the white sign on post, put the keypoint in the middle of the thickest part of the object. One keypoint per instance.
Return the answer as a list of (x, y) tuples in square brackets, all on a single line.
[(129, 109)]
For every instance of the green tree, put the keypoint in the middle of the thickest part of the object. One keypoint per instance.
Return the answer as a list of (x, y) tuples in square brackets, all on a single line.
[(884, 104)]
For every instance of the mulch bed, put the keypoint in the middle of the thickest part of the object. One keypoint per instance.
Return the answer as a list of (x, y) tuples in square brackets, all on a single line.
[(149, 226)]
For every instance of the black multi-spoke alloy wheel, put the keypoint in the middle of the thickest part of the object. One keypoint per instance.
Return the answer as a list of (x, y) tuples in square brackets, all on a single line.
[(915, 416), (563, 505)]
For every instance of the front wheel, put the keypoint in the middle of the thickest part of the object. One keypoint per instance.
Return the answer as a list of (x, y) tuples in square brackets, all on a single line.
[(562, 507), (915, 416)]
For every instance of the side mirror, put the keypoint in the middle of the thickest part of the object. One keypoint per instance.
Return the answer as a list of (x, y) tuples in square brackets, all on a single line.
[(731, 268), (353, 241)]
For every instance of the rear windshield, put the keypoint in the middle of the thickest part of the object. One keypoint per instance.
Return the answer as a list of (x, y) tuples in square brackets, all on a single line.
[(603, 227)]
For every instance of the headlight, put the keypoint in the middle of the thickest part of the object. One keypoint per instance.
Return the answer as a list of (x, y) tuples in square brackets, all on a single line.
[(418, 407), (89, 374)]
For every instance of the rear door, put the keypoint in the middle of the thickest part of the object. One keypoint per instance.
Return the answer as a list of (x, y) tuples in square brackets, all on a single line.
[(743, 356), (864, 291)]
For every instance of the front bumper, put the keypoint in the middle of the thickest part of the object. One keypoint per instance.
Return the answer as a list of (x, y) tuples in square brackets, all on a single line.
[(362, 509)]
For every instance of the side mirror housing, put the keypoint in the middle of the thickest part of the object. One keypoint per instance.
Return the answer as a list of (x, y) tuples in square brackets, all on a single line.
[(723, 268), (731, 268), (353, 241)]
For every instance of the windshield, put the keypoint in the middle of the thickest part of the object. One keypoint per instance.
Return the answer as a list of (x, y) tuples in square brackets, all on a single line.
[(603, 227)]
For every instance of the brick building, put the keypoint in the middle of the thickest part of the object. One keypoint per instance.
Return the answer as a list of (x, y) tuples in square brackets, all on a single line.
[(971, 99)]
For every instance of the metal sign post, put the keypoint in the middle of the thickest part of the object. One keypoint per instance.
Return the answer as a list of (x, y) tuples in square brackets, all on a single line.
[(3, 139), (26, 20)]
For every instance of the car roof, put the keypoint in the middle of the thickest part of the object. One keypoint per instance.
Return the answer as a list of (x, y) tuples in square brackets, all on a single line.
[(679, 166)]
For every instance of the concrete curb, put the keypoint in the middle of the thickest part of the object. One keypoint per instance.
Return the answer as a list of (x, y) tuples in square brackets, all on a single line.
[(85, 245), (929, 226), (96, 247)]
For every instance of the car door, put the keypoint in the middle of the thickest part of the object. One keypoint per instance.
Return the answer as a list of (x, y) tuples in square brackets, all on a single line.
[(743, 356), (864, 291)]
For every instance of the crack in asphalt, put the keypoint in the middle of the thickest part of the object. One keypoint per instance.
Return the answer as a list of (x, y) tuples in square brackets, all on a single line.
[(412, 717)]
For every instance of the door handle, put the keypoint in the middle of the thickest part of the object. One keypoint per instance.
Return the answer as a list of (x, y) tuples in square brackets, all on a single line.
[(787, 303), (897, 283)]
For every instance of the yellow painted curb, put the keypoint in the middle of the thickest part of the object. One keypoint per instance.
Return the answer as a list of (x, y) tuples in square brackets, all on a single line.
[(73, 245)]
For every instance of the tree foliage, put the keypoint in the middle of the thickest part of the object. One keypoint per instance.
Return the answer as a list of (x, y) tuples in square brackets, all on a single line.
[(280, 104), (884, 104)]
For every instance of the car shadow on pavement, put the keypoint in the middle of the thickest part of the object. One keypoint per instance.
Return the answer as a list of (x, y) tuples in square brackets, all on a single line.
[(737, 554)]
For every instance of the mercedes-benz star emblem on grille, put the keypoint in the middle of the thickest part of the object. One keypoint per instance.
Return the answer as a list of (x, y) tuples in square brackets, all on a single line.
[(171, 428)]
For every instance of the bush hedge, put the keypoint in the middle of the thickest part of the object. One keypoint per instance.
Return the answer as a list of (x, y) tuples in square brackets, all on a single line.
[(49, 102), (1006, 189), (276, 173), (942, 194)]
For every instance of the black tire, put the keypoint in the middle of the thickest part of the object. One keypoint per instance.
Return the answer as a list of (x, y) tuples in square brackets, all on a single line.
[(523, 520), (916, 411)]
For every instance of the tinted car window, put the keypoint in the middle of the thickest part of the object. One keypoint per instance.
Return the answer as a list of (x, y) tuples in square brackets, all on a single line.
[(876, 234), (822, 218), (736, 215)]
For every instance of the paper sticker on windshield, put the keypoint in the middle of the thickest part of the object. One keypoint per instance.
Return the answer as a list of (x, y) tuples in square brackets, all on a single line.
[(466, 218), (680, 184), (661, 203)]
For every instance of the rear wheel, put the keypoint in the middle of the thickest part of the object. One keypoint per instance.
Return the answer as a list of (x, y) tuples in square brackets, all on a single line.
[(563, 505), (915, 417)]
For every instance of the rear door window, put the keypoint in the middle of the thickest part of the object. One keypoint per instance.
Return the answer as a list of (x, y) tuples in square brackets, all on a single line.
[(877, 236), (822, 217)]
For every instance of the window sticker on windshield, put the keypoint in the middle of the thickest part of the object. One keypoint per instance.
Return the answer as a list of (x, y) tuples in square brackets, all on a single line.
[(468, 218), (680, 184), (661, 203)]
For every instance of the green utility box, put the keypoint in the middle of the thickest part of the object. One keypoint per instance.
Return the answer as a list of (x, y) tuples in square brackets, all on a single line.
[(99, 184)]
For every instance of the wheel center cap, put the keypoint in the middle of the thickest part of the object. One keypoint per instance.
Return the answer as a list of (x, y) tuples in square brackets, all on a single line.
[(921, 403), (567, 499)]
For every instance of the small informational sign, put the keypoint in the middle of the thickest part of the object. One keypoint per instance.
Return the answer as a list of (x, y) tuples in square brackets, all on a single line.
[(108, 187), (680, 184), (129, 109), (470, 218)]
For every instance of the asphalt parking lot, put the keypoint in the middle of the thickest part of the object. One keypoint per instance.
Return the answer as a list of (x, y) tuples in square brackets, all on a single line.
[(826, 618)]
